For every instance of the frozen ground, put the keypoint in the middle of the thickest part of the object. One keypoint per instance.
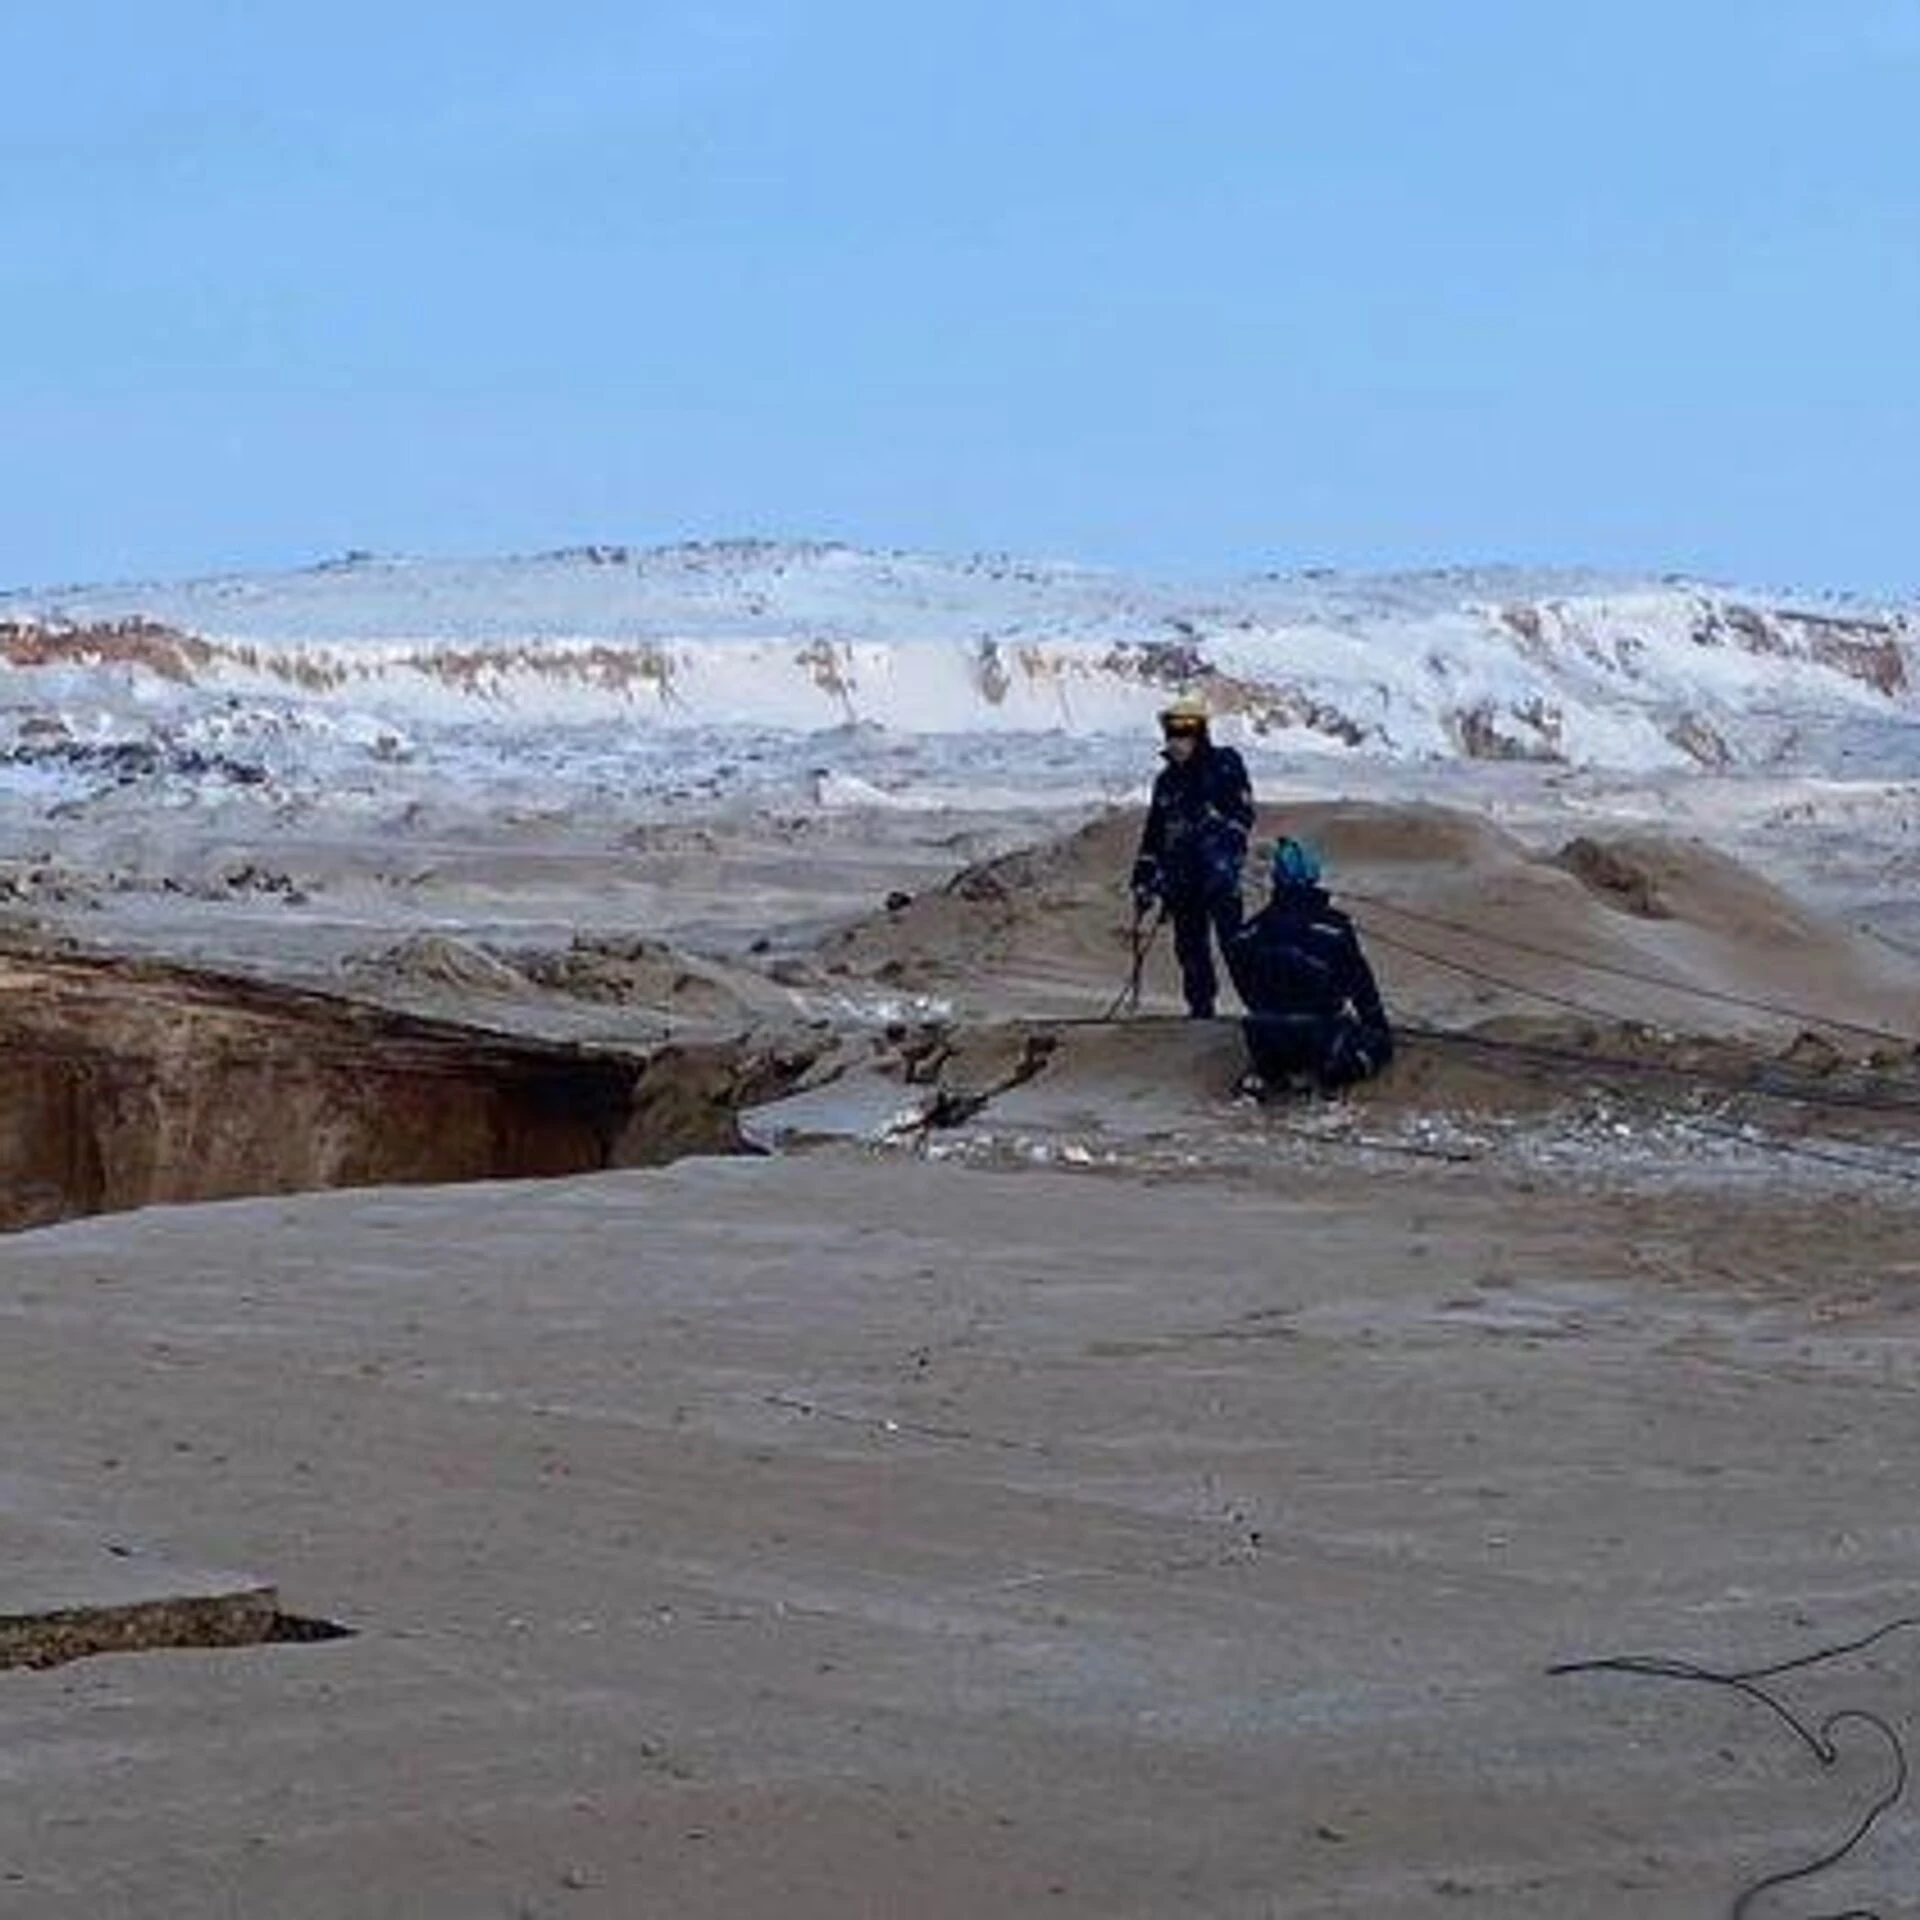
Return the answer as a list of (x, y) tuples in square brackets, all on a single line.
[(1040, 1482)]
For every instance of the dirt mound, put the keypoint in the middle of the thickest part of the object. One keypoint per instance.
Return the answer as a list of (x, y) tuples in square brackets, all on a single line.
[(1463, 921), (1093, 854), (1614, 878), (1633, 929), (1685, 880), (435, 960), (1040, 923), (618, 971), (630, 972), (1357, 835)]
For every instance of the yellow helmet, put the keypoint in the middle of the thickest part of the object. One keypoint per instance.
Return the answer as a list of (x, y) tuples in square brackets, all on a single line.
[(1185, 710)]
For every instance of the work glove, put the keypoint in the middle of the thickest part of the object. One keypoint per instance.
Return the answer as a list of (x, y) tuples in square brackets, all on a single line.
[(1145, 886), (1229, 836)]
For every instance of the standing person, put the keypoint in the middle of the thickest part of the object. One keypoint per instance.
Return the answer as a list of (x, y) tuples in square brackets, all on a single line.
[(1193, 846), (1313, 1009)]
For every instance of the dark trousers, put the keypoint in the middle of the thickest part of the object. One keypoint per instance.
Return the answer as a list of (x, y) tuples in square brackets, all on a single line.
[(1333, 1049), (1197, 919)]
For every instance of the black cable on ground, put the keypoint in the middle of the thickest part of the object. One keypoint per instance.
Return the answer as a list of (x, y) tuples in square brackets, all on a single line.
[(1818, 1737), (1640, 978), (1538, 1053), (1468, 971), (1546, 1054), (1541, 1053), (1802, 1150), (1773, 1090)]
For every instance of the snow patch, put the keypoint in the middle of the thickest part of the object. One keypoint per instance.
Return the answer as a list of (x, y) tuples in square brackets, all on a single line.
[(581, 659)]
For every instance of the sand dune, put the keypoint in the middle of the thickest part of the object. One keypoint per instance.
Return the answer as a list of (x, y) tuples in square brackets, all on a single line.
[(1465, 923)]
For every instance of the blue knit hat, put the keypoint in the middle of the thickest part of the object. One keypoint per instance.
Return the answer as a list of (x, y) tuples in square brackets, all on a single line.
[(1295, 865)]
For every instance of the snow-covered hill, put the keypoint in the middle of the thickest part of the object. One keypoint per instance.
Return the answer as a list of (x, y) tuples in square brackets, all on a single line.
[(373, 657)]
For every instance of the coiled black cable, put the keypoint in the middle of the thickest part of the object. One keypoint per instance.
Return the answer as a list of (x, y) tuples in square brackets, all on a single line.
[(1818, 1737)]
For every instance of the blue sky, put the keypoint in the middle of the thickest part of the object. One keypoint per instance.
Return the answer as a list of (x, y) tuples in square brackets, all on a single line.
[(1196, 290)]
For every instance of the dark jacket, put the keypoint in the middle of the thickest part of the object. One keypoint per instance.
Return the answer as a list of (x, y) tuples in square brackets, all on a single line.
[(1299, 956), (1195, 837)]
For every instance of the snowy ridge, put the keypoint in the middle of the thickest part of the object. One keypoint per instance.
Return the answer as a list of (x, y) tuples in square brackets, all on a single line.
[(374, 656)]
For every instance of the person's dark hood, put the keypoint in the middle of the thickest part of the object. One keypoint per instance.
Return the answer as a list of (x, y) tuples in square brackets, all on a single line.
[(1299, 897)]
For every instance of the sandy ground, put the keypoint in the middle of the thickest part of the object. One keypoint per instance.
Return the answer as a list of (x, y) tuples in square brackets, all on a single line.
[(831, 1536), (1090, 1495)]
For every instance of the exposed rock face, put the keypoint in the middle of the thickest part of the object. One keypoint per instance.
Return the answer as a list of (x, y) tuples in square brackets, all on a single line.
[(1530, 731), (133, 643), (1867, 648), (130, 1084)]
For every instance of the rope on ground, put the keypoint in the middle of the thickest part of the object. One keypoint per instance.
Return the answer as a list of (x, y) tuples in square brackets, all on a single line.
[(1142, 945), (1468, 971), (1820, 1738), (1539, 1054), (1804, 1150), (1639, 976), (1547, 1054)]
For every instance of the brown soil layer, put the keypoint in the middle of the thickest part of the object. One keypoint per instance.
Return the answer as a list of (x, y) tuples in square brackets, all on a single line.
[(54, 1638), (131, 1084)]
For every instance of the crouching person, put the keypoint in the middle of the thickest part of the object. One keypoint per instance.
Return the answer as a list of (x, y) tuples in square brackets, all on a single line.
[(1313, 1009)]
